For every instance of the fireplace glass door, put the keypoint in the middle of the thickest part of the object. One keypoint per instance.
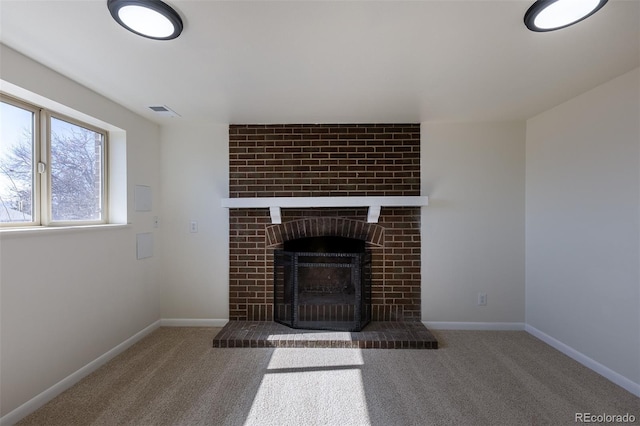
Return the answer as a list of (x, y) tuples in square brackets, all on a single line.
[(323, 290)]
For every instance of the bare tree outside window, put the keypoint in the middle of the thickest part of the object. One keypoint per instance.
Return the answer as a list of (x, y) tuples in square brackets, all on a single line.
[(76, 172), (16, 163)]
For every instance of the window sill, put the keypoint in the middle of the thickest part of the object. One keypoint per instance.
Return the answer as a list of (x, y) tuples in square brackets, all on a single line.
[(57, 230)]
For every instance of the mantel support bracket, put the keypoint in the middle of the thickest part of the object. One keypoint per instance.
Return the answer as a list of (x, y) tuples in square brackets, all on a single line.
[(276, 215), (374, 214)]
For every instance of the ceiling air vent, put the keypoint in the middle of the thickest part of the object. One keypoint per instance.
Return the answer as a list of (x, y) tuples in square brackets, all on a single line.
[(164, 110)]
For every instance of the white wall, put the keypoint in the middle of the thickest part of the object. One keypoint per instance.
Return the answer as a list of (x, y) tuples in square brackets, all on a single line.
[(473, 228), (583, 224), (195, 266), (68, 297)]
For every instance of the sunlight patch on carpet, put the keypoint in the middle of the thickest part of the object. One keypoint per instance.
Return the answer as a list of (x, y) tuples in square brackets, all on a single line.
[(311, 387)]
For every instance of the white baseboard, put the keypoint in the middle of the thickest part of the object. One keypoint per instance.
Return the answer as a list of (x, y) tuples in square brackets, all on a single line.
[(42, 398), (608, 373), (181, 322), (495, 326)]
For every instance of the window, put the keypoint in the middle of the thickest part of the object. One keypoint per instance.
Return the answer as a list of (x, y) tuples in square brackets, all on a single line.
[(52, 168)]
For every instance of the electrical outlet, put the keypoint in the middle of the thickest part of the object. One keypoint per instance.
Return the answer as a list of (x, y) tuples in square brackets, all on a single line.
[(482, 299), (193, 226)]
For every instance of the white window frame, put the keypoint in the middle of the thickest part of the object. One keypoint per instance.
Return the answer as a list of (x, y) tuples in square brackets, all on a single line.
[(42, 192)]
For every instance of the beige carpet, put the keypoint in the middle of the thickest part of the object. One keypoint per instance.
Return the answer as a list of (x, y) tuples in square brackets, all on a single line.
[(175, 377)]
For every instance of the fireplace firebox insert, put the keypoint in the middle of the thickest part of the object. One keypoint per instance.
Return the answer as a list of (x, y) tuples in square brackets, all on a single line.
[(323, 283)]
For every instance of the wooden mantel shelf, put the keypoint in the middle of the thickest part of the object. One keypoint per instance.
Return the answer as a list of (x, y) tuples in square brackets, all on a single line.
[(274, 204)]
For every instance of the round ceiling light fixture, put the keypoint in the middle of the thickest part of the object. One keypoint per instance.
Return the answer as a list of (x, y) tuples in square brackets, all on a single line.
[(147, 18), (549, 15)]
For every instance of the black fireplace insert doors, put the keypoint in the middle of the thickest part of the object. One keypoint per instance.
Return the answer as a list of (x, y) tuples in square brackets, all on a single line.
[(323, 283)]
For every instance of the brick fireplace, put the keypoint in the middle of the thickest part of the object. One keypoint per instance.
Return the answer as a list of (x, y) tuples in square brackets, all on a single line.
[(325, 161)]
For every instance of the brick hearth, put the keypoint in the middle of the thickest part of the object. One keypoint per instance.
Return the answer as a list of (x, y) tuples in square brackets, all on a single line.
[(377, 335)]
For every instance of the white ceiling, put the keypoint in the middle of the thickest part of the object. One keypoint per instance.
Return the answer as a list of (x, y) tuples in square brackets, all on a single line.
[(330, 61)]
